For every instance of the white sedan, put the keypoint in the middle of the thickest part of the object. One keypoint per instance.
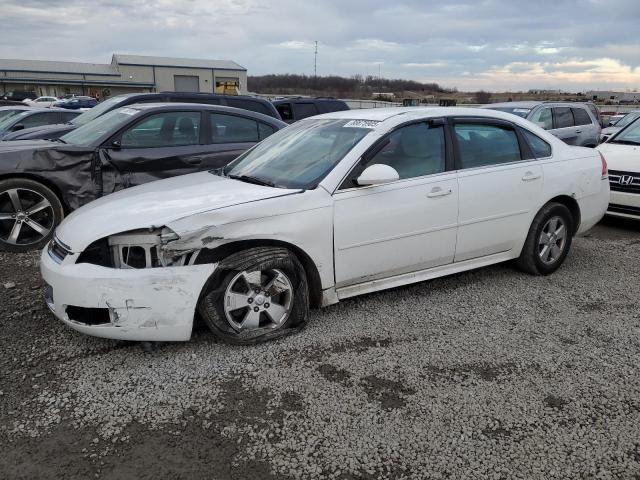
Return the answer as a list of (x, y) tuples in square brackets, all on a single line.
[(331, 207), (623, 155), (44, 102)]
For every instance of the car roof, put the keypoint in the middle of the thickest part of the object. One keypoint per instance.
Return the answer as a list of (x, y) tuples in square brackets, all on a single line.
[(383, 114), (172, 106), (16, 107), (523, 104)]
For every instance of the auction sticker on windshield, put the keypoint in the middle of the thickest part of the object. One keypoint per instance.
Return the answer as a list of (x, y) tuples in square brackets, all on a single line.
[(362, 123)]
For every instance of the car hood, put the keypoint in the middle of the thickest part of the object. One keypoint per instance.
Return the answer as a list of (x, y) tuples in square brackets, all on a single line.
[(43, 131), (157, 203), (7, 147), (610, 130), (625, 158)]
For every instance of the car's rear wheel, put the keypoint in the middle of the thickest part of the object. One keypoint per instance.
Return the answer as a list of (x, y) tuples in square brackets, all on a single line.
[(548, 241), (256, 295), (29, 212)]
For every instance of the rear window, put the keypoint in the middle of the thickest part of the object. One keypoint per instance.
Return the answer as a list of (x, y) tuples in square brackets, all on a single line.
[(581, 116), (564, 118), (248, 105), (331, 106), (304, 110)]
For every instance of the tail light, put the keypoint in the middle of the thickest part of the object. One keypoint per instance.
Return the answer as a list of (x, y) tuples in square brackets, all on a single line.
[(605, 167)]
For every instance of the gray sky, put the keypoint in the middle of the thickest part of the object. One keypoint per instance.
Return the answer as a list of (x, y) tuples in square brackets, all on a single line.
[(486, 44)]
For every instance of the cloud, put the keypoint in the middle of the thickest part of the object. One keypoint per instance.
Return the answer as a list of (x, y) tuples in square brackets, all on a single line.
[(485, 44)]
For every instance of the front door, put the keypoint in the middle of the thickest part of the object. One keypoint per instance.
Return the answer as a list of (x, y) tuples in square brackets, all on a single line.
[(402, 226)]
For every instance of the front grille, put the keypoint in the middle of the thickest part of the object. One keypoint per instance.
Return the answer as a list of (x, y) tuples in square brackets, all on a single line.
[(57, 251), (613, 208), (88, 316), (628, 182)]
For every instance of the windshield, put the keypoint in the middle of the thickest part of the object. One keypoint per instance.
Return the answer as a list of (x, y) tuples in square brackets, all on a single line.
[(627, 119), (14, 115), (6, 114), (299, 156), (98, 110), (519, 111), (630, 135), (88, 134)]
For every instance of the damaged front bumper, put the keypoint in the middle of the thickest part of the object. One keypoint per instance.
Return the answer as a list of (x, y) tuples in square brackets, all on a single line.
[(154, 304)]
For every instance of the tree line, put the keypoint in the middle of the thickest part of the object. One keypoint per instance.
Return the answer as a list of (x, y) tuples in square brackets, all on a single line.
[(356, 86)]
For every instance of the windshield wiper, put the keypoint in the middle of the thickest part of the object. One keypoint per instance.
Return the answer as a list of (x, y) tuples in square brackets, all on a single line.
[(250, 179), (59, 140)]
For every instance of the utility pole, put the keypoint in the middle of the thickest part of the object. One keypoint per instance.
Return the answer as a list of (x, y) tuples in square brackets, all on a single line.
[(315, 60)]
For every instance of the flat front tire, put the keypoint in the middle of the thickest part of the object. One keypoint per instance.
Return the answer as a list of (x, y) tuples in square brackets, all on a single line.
[(548, 241), (29, 213), (256, 295)]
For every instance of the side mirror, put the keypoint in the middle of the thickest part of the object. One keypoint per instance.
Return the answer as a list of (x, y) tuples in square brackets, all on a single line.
[(17, 127), (377, 174), (116, 144)]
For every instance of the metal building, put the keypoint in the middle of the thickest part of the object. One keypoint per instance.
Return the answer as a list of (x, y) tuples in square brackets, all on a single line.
[(125, 73)]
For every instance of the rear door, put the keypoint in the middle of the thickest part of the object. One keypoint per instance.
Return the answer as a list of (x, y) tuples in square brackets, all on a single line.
[(500, 182), (564, 126), (587, 131)]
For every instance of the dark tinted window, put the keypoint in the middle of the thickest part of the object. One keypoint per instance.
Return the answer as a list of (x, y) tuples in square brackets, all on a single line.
[(328, 106), (539, 147), (65, 117), (284, 109), (248, 105), (481, 145), (304, 110), (265, 130), (564, 118), (413, 151), (167, 129), (39, 119), (581, 116), (233, 129)]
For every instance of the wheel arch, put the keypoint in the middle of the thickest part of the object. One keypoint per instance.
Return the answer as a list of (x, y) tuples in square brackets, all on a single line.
[(44, 181), (311, 270), (573, 207)]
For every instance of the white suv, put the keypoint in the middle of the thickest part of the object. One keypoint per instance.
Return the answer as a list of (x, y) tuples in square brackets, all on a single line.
[(334, 206)]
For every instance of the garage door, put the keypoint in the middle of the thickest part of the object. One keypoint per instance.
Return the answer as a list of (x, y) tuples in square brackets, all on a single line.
[(186, 83)]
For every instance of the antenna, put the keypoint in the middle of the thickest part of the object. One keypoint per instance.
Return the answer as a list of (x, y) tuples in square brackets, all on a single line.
[(315, 60)]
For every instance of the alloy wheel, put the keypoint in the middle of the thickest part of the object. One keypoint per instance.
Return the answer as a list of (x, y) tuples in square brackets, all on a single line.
[(552, 240), (258, 299), (26, 217)]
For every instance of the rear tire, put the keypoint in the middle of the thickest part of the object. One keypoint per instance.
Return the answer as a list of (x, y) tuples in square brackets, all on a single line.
[(256, 295), (548, 241), (29, 213)]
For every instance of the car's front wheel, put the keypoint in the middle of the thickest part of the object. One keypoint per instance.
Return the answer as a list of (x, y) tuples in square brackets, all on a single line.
[(548, 241), (256, 295), (29, 212)]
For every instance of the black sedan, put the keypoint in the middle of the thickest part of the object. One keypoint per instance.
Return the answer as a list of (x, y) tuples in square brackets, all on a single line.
[(41, 180)]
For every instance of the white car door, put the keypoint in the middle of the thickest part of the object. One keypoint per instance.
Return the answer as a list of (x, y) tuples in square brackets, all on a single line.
[(500, 185), (402, 226)]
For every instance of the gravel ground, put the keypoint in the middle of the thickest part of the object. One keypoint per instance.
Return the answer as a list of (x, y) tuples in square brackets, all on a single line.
[(489, 374)]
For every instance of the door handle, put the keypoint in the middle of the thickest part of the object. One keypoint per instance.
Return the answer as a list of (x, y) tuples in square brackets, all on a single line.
[(529, 176), (438, 192), (578, 131), (194, 160)]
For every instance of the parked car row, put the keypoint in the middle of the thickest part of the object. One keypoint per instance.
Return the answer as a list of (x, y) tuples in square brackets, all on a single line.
[(17, 119)]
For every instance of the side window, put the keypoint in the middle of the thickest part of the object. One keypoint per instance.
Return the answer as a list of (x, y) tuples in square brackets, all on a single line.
[(329, 106), (581, 116), (564, 118), (539, 147), (67, 117), (284, 109), (413, 151), (265, 130), (480, 145), (169, 129), (543, 118), (233, 129), (39, 119), (304, 110)]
